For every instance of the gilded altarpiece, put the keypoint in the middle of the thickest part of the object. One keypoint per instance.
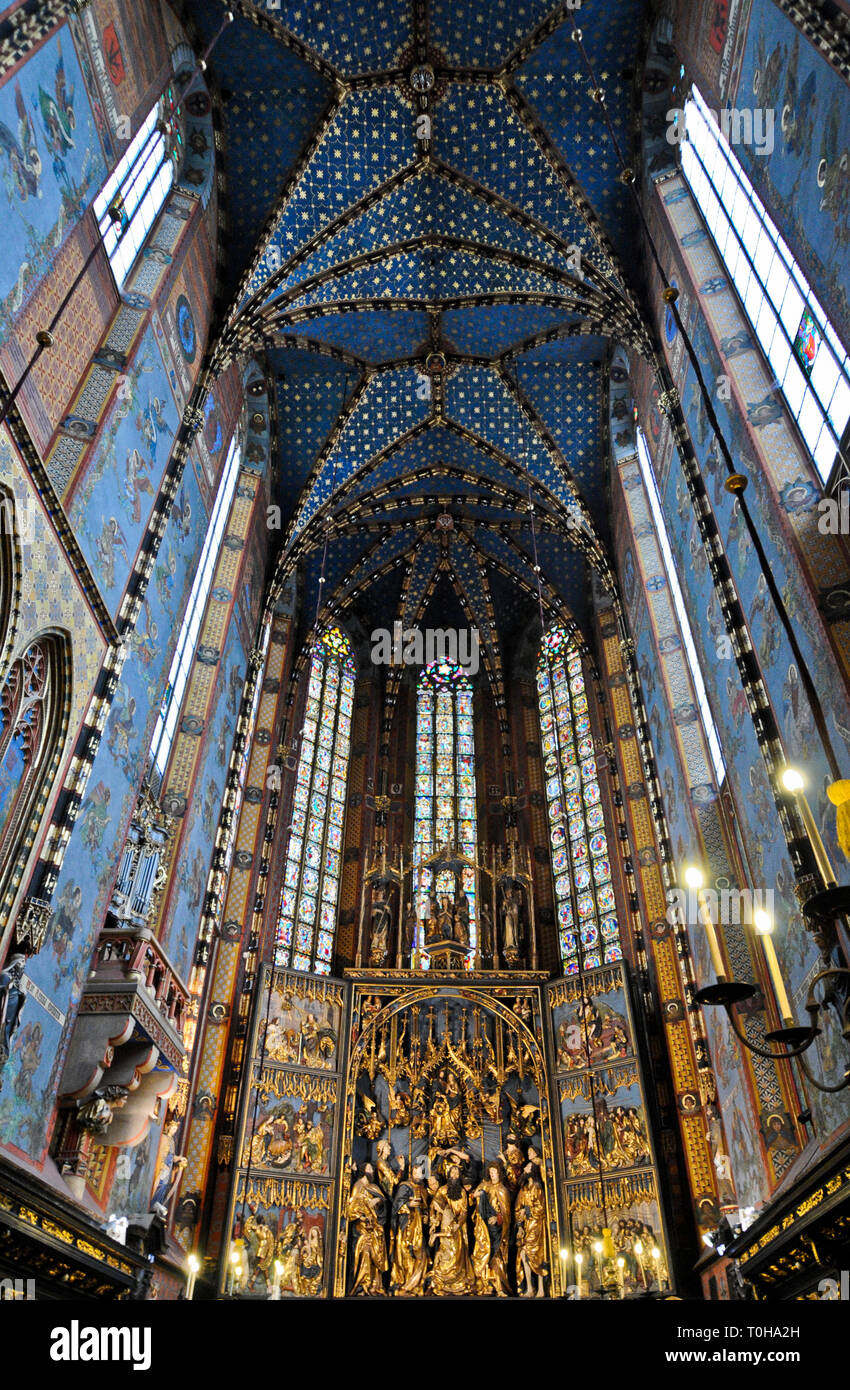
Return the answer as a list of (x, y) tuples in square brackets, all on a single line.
[(448, 1181), (613, 1232), (281, 1214)]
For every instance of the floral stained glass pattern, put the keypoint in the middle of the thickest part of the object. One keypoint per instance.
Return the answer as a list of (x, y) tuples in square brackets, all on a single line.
[(308, 905), (445, 813), (588, 932)]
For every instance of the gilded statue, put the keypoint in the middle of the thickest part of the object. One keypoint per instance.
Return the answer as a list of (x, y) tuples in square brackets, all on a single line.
[(492, 1229), (409, 1239), (261, 1238), (530, 1217), (446, 1112), (366, 1211), (311, 1263), (452, 1274), (288, 1255), (387, 1178)]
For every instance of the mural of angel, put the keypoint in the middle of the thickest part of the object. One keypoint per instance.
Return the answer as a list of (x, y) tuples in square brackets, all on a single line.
[(95, 815), (110, 540), (22, 153), (135, 482), (57, 112), (123, 733)]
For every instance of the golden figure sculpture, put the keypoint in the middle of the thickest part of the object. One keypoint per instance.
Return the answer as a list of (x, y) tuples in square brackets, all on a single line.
[(387, 1178), (492, 1227), (366, 1210), (311, 1263), (255, 1226), (409, 1223), (530, 1216), (288, 1255), (452, 1275), (447, 1113)]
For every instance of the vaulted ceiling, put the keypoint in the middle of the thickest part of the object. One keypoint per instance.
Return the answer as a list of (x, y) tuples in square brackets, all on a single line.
[(430, 245)]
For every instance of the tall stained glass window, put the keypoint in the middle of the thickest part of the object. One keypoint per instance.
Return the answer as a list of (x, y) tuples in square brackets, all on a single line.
[(588, 931), (310, 897), (804, 351), (444, 808)]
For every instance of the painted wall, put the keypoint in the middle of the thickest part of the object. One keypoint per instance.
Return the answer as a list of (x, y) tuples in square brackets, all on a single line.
[(91, 861), (750, 55), (180, 926)]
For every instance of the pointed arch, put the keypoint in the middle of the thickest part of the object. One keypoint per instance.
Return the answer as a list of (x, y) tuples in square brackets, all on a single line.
[(10, 578), (35, 702)]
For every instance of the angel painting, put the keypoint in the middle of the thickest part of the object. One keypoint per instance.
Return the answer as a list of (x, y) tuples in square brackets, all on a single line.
[(57, 112), (165, 576), (136, 483), (110, 540), (22, 153), (122, 728), (95, 815), (182, 514)]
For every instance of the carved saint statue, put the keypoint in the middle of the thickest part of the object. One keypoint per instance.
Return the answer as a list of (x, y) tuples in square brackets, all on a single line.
[(366, 1211), (446, 1112), (445, 919), (381, 926), (462, 918), (452, 1275), (169, 1167), (511, 907), (530, 1216), (432, 931), (12, 1000), (492, 1226), (409, 933), (487, 942), (387, 1178), (409, 1221)]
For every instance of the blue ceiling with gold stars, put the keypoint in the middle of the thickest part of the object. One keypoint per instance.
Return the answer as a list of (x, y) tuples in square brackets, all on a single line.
[(429, 249)]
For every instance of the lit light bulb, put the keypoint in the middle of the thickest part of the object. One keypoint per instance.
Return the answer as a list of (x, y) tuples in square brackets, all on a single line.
[(579, 1258), (656, 1253), (194, 1263), (792, 780), (638, 1247), (597, 1245), (763, 922), (621, 1264), (565, 1254), (693, 876)]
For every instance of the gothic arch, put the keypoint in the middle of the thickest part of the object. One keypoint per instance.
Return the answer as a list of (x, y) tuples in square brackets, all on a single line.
[(35, 701), (10, 578)]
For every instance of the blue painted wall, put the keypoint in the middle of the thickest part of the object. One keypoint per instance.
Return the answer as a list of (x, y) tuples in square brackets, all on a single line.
[(31, 1079)]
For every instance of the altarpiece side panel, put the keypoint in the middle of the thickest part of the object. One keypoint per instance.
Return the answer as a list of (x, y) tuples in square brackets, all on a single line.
[(612, 1221), (280, 1217)]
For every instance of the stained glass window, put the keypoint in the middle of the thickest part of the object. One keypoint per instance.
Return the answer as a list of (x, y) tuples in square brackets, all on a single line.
[(142, 179), (312, 870), (805, 353), (444, 813), (585, 909)]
